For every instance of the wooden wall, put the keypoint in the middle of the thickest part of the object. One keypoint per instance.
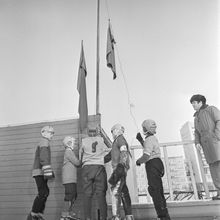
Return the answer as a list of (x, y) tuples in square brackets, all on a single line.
[(17, 187)]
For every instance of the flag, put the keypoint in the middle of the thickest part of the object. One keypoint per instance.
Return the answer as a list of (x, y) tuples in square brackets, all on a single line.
[(81, 87), (110, 54)]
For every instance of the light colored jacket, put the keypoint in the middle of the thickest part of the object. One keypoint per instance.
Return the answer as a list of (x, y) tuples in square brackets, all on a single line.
[(93, 151), (69, 170), (151, 147), (207, 132)]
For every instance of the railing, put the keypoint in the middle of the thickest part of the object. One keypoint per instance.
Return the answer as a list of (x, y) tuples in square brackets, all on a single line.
[(196, 192)]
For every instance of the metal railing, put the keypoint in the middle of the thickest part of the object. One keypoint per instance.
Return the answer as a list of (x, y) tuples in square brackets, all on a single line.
[(196, 192)]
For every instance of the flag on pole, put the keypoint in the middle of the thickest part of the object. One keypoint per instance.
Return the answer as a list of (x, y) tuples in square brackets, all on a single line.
[(81, 87), (110, 53)]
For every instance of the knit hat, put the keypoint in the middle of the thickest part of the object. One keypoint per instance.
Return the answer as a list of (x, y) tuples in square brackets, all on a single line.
[(149, 125)]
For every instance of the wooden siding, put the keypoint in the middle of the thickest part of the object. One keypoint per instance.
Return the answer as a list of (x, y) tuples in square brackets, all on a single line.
[(17, 187)]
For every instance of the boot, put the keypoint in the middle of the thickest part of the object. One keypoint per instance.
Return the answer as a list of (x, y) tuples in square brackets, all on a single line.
[(29, 217), (217, 197), (167, 217), (129, 217), (116, 217), (32, 217), (40, 216)]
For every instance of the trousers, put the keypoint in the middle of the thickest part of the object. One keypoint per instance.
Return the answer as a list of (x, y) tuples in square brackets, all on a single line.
[(215, 173), (43, 192), (94, 179), (120, 194), (155, 171)]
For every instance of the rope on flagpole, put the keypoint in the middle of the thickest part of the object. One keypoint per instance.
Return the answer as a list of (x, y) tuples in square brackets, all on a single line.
[(131, 105)]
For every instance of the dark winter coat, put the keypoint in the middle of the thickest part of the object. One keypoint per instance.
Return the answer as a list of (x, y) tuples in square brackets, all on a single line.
[(42, 157)]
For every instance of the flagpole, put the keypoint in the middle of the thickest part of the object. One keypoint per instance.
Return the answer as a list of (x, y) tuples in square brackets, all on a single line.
[(97, 61)]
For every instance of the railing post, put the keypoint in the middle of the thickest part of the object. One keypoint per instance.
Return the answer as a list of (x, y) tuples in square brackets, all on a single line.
[(132, 184), (168, 171), (205, 185), (193, 180)]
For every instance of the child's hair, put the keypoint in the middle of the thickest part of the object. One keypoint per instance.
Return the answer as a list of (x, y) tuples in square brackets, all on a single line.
[(198, 98), (67, 140), (93, 131)]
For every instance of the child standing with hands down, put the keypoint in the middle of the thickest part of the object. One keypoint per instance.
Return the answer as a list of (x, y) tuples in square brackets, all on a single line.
[(42, 172), (154, 167), (69, 177)]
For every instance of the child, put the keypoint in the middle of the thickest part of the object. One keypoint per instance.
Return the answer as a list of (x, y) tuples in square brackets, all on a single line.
[(41, 172), (154, 167), (69, 177), (94, 177), (120, 163)]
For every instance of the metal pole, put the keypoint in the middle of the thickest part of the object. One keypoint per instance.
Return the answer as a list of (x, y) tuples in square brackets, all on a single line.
[(166, 160), (205, 185), (97, 61)]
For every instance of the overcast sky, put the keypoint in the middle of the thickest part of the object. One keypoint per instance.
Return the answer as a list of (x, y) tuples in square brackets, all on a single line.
[(168, 51)]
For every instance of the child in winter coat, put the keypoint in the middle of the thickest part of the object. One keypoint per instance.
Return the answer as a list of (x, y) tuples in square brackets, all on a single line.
[(69, 177), (94, 177), (154, 167), (42, 172)]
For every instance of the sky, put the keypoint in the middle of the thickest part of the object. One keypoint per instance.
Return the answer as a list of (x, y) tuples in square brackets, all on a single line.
[(167, 50)]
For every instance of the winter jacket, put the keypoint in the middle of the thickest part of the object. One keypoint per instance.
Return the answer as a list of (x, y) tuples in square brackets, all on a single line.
[(42, 157), (93, 151), (117, 147), (151, 147), (207, 132), (69, 170)]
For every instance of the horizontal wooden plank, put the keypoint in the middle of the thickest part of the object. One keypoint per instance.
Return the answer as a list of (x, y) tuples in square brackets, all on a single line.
[(24, 136), (24, 200), (17, 187), (28, 148), (30, 140), (29, 151), (16, 174), (27, 161), (28, 184), (56, 165), (31, 190), (18, 156), (37, 126)]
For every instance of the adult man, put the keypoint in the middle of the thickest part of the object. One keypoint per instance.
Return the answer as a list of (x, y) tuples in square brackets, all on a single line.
[(207, 136), (94, 177), (119, 155)]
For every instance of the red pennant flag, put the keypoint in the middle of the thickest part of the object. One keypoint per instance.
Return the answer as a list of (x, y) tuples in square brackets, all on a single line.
[(110, 53), (81, 87)]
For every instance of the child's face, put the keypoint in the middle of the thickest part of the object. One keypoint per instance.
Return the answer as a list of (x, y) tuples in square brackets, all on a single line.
[(152, 130), (196, 105), (49, 135), (71, 143)]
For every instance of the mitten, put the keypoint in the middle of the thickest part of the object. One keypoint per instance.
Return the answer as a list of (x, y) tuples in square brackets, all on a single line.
[(138, 163), (139, 138), (117, 174)]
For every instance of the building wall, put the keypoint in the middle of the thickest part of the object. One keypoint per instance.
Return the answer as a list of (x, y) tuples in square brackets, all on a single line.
[(17, 187), (178, 174)]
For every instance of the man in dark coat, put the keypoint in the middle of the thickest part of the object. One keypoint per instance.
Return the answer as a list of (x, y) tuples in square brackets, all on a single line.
[(207, 136)]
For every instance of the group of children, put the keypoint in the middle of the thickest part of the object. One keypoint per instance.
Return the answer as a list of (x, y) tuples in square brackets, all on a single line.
[(92, 157)]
